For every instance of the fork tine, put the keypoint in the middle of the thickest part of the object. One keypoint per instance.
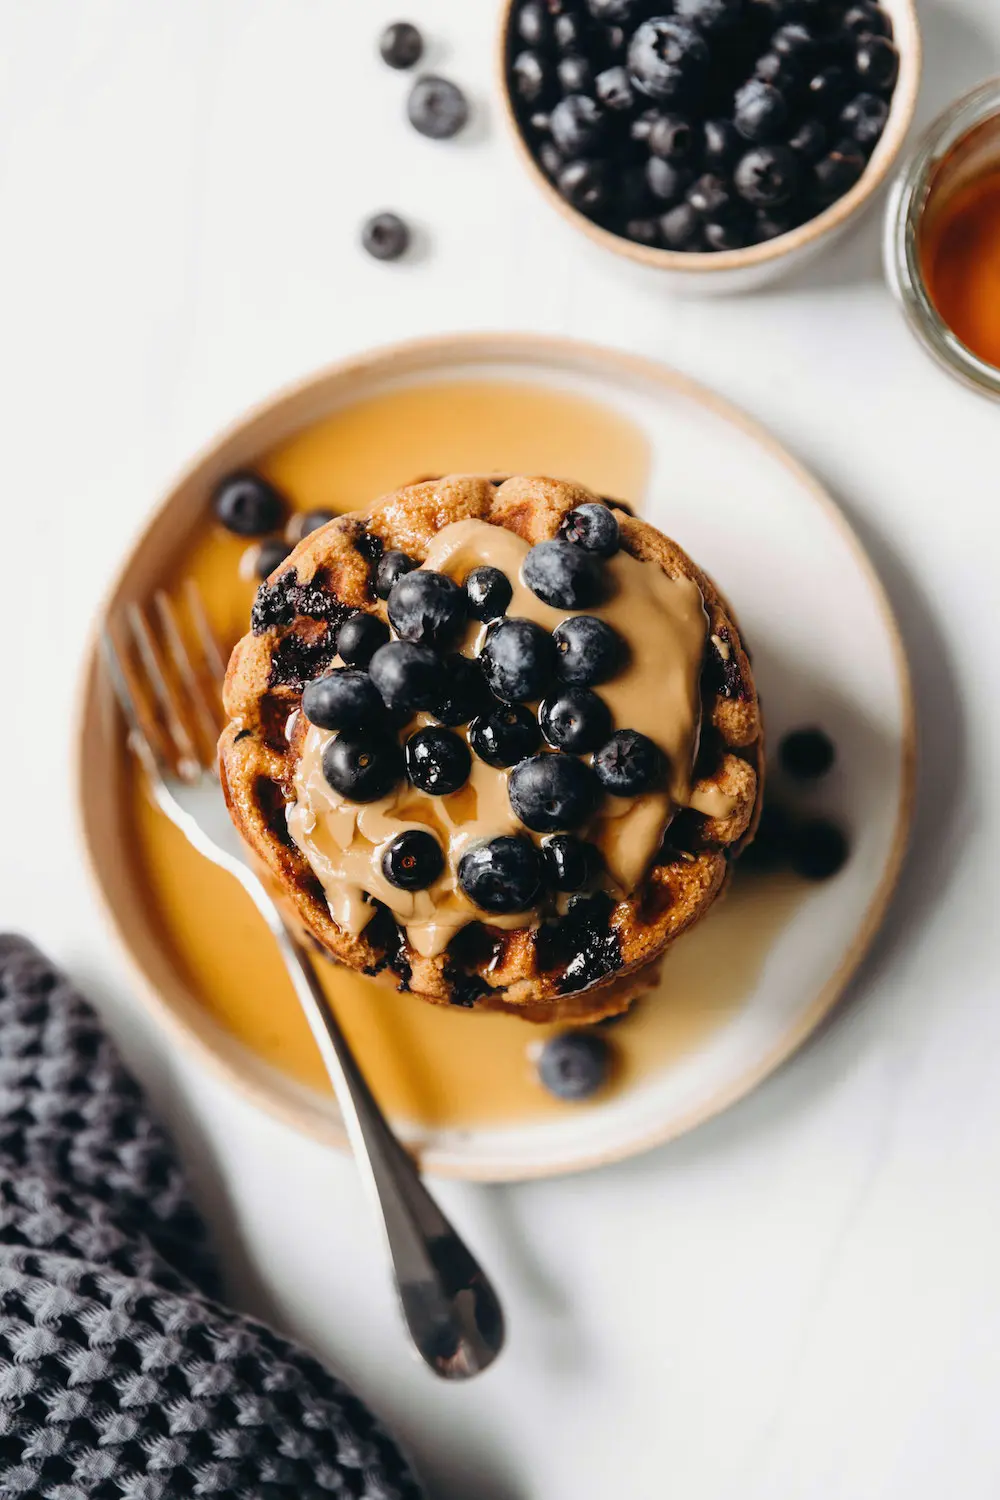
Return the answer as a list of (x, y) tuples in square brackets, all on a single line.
[(141, 739), (189, 678), (206, 635), (188, 761)]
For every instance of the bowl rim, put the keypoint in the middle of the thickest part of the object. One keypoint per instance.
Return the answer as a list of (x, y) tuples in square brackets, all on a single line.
[(198, 1035), (808, 235)]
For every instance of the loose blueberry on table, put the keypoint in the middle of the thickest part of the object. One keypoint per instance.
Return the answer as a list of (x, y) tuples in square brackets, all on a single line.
[(385, 236), (401, 45), (437, 107), (711, 125)]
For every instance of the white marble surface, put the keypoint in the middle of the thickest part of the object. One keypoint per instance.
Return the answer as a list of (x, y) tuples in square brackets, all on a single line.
[(802, 1299)]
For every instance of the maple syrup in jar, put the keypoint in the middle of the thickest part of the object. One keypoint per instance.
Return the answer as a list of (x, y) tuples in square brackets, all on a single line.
[(943, 239)]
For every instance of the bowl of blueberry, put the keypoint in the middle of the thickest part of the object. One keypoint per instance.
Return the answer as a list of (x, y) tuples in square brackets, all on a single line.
[(721, 141)]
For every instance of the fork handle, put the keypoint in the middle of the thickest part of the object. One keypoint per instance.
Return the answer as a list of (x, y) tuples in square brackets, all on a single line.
[(449, 1307)]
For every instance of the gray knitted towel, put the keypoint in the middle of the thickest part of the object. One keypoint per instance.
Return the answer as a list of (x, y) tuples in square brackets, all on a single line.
[(121, 1378)]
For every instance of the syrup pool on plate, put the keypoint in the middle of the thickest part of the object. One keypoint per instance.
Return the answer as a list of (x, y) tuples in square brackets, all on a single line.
[(434, 1066)]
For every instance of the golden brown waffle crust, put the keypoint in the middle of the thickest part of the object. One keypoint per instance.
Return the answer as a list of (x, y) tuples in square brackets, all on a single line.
[(331, 573)]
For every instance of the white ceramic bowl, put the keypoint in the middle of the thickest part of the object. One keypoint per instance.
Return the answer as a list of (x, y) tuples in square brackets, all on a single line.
[(744, 270)]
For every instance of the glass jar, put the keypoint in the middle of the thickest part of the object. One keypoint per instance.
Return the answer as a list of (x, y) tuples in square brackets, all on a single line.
[(961, 145)]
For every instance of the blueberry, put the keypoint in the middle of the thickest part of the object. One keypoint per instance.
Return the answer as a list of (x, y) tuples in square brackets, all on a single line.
[(794, 41), (588, 650), (828, 89), (517, 660), (437, 107), (570, 32), (487, 593), (343, 699), (771, 848), (866, 20), (562, 575), (629, 764), (771, 226), (578, 125), (672, 137), (533, 23), (643, 231), (270, 555), (359, 638), (247, 505), (569, 862), (408, 677), (362, 765), (437, 761), (819, 849), (665, 179), (550, 793), (401, 45), (838, 171), (806, 753), (592, 527), (529, 76), (312, 520), (876, 62), (505, 735), (864, 119), (412, 860), (614, 10), (463, 693), (711, 196), (643, 123), (680, 228), (781, 72), (760, 110), (666, 59), (391, 566), (734, 232), (426, 607), (615, 39), (633, 191), (502, 876), (549, 159), (385, 236), (767, 176), (810, 140), (575, 719), (613, 88), (575, 74), (584, 185), (721, 144), (709, 15), (574, 1065)]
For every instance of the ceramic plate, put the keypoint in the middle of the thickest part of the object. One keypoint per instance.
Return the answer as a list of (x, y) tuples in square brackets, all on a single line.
[(826, 651)]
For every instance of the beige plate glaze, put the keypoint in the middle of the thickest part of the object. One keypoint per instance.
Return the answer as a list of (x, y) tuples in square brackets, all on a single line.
[(827, 650), (742, 270)]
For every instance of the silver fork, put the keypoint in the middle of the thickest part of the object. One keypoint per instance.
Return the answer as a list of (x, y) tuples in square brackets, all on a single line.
[(172, 708)]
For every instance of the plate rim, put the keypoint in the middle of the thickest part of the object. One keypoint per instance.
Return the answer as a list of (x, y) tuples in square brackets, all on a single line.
[(312, 1119)]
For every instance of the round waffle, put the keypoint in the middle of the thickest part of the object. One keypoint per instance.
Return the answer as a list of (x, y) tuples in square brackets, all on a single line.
[(592, 959)]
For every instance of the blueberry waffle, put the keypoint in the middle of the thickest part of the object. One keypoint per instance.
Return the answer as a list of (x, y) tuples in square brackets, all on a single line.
[(498, 739)]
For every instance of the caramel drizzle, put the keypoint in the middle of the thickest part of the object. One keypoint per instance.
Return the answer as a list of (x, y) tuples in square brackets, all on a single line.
[(663, 624)]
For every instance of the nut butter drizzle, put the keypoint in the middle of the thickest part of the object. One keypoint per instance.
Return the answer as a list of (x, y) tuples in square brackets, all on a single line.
[(663, 624)]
